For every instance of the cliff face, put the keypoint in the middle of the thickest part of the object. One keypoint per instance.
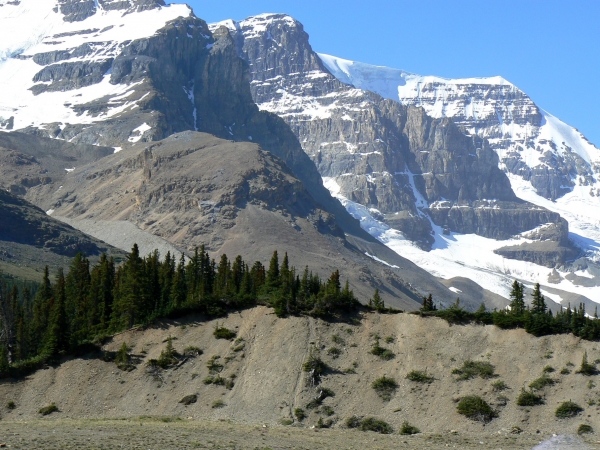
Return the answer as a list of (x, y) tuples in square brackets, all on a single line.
[(410, 169)]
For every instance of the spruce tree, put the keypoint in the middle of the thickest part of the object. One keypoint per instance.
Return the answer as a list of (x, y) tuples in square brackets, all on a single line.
[(517, 302), (538, 303)]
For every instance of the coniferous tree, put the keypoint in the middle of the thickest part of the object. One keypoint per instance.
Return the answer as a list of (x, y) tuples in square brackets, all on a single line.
[(538, 303), (56, 339), (517, 300)]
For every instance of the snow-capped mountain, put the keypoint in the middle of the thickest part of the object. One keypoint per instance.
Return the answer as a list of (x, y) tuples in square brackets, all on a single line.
[(414, 177)]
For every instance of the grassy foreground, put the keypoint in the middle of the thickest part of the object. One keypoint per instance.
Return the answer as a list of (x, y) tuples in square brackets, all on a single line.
[(177, 433)]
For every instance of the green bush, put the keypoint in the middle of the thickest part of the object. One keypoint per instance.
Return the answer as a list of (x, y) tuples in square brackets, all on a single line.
[(189, 399), (123, 359), (567, 410), (565, 371), (353, 422), (471, 369), (315, 366), (475, 408), (338, 340), (584, 429), (213, 365), (334, 352), (191, 351), (541, 382), (499, 386), (586, 368), (168, 356), (389, 339), (382, 352), (373, 424), (385, 387), (223, 333), (300, 414), (10, 405), (327, 410), (548, 369), (528, 398), (48, 409), (420, 376), (287, 421), (408, 429)]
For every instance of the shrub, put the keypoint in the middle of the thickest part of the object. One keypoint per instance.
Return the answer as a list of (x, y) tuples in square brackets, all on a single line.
[(314, 366), (502, 400), (189, 399), (567, 410), (48, 409), (300, 414), (408, 429), (334, 352), (192, 351), (389, 339), (380, 351), (528, 398), (218, 404), (168, 356), (10, 405), (584, 429), (286, 421), (327, 410), (223, 333), (349, 370), (353, 422), (565, 371), (586, 368), (373, 424), (338, 340), (499, 386), (213, 365), (123, 359), (471, 369), (385, 387), (218, 380), (548, 369), (475, 408), (541, 382), (420, 376)]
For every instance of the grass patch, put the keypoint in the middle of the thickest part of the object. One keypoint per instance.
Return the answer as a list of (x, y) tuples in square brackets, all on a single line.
[(420, 376), (189, 399), (337, 339), (542, 382), (408, 429), (214, 366), (334, 352), (377, 425), (380, 351), (471, 369), (223, 333), (567, 410), (476, 408), (300, 414), (218, 404), (385, 387), (48, 409), (315, 367), (327, 410), (528, 398), (565, 371), (499, 386), (349, 370), (389, 339), (286, 421), (548, 369)]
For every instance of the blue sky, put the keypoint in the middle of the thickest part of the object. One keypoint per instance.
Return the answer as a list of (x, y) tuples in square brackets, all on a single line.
[(549, 49)]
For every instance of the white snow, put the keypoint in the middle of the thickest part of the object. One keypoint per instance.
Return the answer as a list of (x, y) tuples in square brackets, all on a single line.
[(139, 132), (29, 28)]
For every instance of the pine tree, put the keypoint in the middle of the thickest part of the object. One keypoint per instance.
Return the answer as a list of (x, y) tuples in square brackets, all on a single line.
[(273, 281), (56, 339), (538, 303), (517, 302), (377, 302)]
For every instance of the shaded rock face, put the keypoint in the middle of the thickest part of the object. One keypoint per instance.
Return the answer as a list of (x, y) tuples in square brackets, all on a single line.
[(394, 159), (25, 224)]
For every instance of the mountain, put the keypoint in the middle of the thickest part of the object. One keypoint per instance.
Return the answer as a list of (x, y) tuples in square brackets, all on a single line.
[(30, 240), (155, 94), (435, 190)]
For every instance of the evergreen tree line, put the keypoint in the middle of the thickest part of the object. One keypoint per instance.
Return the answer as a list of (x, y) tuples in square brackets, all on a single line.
[(536, 318), (88, 303)]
